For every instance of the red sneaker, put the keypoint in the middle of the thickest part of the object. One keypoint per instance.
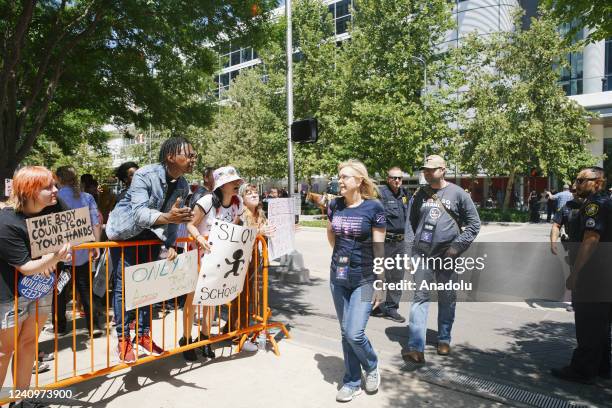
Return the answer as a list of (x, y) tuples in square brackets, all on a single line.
[(126, 351), (147, 346)]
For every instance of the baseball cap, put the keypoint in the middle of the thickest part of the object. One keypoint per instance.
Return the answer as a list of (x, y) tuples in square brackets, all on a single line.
[(433, 162)]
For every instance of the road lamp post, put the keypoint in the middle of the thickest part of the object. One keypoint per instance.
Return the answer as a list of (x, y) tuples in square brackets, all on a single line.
[(289, 90), (422, 61)]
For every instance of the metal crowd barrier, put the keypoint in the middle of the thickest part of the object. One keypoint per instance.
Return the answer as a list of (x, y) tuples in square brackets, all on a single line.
[(257, 320)]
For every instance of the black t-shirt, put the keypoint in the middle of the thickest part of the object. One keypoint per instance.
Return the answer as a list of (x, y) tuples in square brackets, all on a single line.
[(171, 183), (15, 246)]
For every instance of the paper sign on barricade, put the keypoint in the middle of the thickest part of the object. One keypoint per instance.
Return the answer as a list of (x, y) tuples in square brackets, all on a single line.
[(8, 187), (222, 271), (281, 214), (48, 233), (153, 282)]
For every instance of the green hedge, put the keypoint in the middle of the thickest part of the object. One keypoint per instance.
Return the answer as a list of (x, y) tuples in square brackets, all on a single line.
[(314, 223), (311, 211), (497, 215)]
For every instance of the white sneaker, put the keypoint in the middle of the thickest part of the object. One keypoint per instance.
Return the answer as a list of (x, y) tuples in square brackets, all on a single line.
[(372, 381), (347, 393), (249, 346)]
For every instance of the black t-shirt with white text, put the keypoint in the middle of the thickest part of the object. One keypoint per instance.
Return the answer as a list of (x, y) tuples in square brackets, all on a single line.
[(15, 246)]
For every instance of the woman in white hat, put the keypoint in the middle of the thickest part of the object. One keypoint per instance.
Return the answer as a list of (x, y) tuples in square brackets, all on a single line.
[(223, 204)]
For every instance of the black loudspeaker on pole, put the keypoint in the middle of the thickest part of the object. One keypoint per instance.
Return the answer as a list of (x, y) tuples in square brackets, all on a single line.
[(304, 131)]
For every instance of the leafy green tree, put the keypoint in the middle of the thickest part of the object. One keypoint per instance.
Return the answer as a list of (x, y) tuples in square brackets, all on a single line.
[(364, 91), (384, 118), (248, 132), (250, 127), (514, 115), (129, 61), (593, 14)]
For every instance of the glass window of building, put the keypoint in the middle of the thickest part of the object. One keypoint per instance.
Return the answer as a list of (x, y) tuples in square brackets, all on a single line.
[(608, 160), (607, 82), (571, 76), (235, 58)]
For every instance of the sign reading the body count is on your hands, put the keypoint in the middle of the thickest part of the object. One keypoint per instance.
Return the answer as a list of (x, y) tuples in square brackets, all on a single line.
[(153, 282), (222, 271), (48, 233)]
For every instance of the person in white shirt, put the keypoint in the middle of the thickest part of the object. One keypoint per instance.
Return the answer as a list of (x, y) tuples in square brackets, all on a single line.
[(223, 204)]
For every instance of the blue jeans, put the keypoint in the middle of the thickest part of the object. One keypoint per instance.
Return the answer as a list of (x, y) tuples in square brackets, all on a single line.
[(353, 309), (144, 313), (447, 301)]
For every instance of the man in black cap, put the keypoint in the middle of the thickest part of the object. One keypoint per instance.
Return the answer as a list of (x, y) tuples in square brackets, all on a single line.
[(395, 200)]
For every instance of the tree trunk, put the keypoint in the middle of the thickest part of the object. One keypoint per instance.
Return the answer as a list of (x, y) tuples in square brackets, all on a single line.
[(509, 187)]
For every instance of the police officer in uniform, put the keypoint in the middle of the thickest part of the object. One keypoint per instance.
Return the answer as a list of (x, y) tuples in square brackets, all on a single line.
[(590, 281), (395, 200)]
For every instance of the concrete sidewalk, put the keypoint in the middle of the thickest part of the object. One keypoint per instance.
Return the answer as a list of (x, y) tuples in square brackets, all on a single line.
[(302, 376)]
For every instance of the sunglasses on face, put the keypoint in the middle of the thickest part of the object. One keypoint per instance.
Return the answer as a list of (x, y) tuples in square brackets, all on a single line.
[(581, 180), (394, 177)]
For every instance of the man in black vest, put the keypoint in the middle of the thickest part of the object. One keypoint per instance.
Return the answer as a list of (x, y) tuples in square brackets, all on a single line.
[(395, 200)]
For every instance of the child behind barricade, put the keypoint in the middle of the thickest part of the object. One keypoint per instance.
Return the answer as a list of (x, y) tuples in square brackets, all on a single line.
[(223, 204)]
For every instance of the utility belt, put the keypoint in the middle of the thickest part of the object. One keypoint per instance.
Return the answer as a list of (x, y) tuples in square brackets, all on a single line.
[(393, 237)]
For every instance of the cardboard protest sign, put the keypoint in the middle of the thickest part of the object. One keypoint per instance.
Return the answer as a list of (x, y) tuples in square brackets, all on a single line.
[(281, 214), (222, 271), (35, 286), (153, 282), (8, 187), (48, 233)]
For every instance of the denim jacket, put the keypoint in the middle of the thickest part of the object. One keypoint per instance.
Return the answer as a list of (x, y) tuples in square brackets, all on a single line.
[(142, 205)]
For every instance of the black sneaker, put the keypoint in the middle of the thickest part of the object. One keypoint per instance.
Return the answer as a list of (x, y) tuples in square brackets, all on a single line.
[(206, 350), (189, 355), (393, 315), (377, 312)]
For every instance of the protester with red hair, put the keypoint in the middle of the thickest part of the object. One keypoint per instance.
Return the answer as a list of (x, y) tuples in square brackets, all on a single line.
[(34, 194)]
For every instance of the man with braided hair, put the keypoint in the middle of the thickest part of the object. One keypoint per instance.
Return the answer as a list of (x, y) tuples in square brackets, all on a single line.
[(151, 209)]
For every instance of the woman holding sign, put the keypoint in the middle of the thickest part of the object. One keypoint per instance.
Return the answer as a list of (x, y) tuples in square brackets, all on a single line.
[(356, 232), (223, 204), (71, 195), (34, 194)]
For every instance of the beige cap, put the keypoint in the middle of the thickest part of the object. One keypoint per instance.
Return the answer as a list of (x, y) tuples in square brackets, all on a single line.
[(433, 162)]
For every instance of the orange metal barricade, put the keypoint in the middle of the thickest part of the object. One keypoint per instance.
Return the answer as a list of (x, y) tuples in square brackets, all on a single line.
[(250, 308)]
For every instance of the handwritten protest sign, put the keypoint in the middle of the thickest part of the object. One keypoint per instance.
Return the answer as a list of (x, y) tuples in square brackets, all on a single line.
[(281, 213), (222, 271), (8, 187), (48, 233), (153, 282)]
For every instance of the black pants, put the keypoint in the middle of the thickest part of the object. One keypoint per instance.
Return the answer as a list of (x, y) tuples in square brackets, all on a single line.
[(592, 356), (81, 276), (394, 275)]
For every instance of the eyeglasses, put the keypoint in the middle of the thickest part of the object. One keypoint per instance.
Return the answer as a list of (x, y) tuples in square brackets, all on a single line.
[(395, 177), (581, 180), (190, 156)]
